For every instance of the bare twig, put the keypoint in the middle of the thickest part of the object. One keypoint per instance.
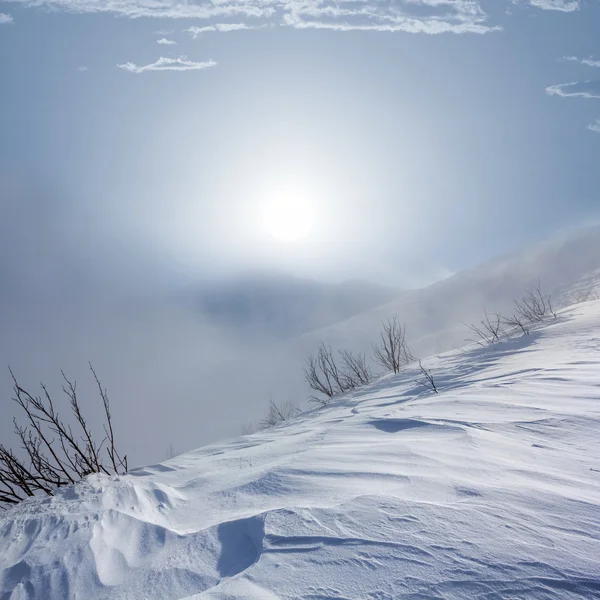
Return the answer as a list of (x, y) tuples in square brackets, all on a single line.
[(328, 378), (170, 453), (249, 428), (534, 306), (116, 461), (322, 375), (517, 321), (489, 330), (54, 456), (588, 294), (277, 414), (393, 353), (427, 380), (357, 371)]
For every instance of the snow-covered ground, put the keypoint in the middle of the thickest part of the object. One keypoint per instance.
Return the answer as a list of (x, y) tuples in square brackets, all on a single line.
[(489, 489)]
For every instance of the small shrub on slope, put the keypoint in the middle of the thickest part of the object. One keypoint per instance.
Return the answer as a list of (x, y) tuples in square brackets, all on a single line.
[(55, 453)]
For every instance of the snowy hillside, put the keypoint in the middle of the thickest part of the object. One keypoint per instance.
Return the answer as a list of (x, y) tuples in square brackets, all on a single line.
[(489, 489), (436, 317)]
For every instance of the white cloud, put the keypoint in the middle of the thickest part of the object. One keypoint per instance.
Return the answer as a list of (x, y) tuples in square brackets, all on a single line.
[(561, 5), (169, 64), (454, 16), (83, 69), (166, 42), (387, 24), (590, 62), (415, 16), (221, 27), (164, 9), (595, 126), (5, 19), (581, 89)]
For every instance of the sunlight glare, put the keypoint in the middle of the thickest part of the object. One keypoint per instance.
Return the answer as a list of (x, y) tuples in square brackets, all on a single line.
[(290, 217)]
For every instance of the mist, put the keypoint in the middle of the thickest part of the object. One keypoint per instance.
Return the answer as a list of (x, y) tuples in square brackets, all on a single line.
[(181, 356), (190, 360)]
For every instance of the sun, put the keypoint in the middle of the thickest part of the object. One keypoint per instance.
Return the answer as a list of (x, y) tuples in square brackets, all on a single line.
[(289, 217)]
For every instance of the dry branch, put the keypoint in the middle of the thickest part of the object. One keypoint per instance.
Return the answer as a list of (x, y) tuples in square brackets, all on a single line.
[(488, 331), (534, 306), (329, 378), (427, 380), (277, 414), (393, 353), (53, 455)]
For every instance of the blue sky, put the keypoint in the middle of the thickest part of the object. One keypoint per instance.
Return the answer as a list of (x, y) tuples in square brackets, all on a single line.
[(427, 135)]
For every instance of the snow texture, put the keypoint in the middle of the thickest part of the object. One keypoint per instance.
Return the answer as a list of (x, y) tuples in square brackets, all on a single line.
[(489, 489)]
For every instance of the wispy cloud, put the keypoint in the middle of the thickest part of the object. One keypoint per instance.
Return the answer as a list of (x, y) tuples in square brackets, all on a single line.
[(5, 19), (83, 69), (221, 27), (595, 126), (166, 42), (581, 89), (561, 5), (590, 62), (169, 64), (387, 24), (414, 16), (165, 9)]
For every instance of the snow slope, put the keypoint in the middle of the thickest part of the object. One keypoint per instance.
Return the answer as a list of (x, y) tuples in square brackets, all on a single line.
[(436, 318), (489, 489)]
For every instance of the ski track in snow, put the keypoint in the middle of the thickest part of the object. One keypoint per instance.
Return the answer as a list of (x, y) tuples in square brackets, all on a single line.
[(488, 490)]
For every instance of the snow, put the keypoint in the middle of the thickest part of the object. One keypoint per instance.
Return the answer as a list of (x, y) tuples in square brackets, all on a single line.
[(489, 489)]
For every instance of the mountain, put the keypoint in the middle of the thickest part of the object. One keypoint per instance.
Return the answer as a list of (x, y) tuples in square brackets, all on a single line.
[(437, 319), (488, 489)]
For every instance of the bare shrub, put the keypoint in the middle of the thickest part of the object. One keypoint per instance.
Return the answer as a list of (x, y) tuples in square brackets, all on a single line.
[(277, 414), (357, 371), (586, 295), (489, 330), (534, 306), (550, 306), (427, 379), (249, 428), (53, 454), (323, 375), (329, 378), (517, 321), (393, 353), (170, 452)]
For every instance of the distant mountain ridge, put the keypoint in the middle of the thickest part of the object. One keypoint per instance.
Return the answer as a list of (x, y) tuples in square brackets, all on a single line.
[(436, 315), (283, 306)]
